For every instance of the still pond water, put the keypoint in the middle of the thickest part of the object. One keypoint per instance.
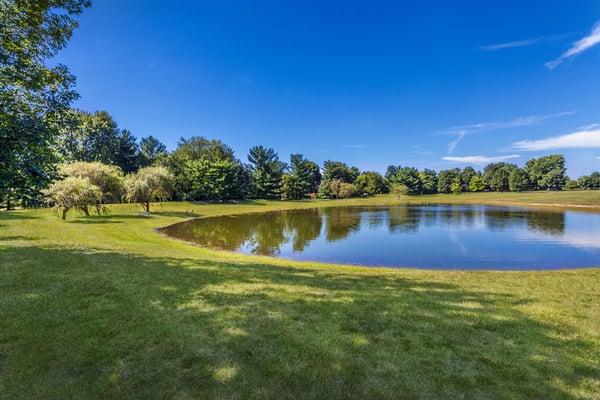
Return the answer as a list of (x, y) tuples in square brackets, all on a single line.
[(440, 236)]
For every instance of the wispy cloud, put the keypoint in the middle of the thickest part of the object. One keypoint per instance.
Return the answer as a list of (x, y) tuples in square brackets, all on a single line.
[(452, 145), (578, 47), (479, 160), (584, 139), (463, 130), (508, 45)]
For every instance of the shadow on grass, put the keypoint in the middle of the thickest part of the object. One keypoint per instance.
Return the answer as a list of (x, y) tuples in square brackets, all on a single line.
[(108, 325), (178, 214), (118, 218)]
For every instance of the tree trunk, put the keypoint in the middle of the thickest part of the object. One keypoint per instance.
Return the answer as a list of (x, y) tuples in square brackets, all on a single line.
[(147, 207), (86, 211), (63, 214), (8, 204)]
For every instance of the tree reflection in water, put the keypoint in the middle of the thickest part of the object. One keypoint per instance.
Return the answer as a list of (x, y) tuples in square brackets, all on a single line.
[(295, 230)]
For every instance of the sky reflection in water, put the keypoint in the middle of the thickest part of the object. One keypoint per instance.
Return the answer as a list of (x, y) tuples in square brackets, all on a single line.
[(440, 236)]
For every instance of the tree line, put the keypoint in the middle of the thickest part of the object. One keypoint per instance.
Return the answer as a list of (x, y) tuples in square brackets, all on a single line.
[(202, 169)]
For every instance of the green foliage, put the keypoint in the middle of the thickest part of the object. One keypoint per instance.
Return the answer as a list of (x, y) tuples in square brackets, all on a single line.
[(457, 185), (90, 137), (34, 96), (215, 180), (477, 184), (342, 190), (518, 180), (347, 190), (266, 172), (496, 176), (150, 150), (148, 184), (194, 164), (400, 190), (407, 176), (547, 173), (127, 152), (429, 181), (73, 192), (591, 181), (201, 148), (371, 183), (302, 178), (466, 175), (335, 173), (446, 178), (108, 178), (572, 185), (97, 137), (339, 170)]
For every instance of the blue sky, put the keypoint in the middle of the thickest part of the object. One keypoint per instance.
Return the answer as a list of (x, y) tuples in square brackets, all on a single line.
[(423, 83)]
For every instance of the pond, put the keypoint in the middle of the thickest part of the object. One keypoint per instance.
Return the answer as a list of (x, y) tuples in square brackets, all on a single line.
[(435, 237)]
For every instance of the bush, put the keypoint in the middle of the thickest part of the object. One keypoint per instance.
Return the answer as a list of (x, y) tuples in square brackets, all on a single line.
[(347, 190), (371, 183), (342, 190), (148, 184), (400, 190), (73, 192), (571, 185)]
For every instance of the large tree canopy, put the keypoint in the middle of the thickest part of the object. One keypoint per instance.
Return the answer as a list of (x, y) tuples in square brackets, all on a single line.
[(547, 173), (33, 95)]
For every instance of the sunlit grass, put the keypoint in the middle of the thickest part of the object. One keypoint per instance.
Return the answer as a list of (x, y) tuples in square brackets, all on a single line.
[(106, 307)]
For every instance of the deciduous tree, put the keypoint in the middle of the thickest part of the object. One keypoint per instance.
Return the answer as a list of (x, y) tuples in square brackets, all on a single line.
[(147, 185), (73, 192), (34, 96)]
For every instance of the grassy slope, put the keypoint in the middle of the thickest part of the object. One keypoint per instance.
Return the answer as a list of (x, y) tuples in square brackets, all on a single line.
[(105, 307)]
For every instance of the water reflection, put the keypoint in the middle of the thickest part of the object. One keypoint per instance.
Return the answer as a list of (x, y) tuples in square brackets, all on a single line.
[(426, 236)]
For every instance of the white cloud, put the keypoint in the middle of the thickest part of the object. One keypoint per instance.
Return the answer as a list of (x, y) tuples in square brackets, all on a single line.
[(479, 160), (463, 130), (578, 47), (507, 45), (584, 139)]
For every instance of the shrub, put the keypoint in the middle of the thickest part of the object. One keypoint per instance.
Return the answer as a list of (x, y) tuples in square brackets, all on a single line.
[(341, 190), (147, 185), (400, 190), (73, 192), (347, 190), (571, 185), (371, 183)]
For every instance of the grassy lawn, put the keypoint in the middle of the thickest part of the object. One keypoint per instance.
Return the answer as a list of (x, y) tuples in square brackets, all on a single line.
[(107, 308)]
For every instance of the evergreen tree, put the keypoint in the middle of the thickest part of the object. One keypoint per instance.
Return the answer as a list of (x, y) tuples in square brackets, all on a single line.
[(150, 150), (127, 152), (429, 180), (266, 170)]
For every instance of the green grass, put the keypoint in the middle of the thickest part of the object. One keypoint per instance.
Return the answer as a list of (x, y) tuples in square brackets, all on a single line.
[(107, 308)]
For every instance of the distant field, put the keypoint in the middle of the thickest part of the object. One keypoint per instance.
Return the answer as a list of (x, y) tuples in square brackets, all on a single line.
[(107, 308)]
